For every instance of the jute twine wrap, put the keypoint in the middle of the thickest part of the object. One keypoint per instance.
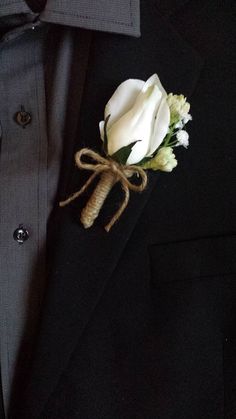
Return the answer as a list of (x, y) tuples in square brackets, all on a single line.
[(110, 173)]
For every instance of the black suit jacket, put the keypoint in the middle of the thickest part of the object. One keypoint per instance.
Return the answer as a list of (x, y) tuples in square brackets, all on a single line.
[(140, 323)]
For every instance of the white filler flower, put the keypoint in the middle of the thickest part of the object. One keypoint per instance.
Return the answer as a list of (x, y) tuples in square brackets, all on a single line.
[(183, 138), (138, 112), (164, 160)]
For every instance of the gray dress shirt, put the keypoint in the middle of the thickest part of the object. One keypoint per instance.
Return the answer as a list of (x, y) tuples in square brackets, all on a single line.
[(33, 98)]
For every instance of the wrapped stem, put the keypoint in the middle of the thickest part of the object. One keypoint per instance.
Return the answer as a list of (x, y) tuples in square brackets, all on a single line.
[(91, 211), (110, 172)]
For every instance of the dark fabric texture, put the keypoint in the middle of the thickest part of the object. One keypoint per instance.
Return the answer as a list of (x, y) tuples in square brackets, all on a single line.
[(36, 5), (2, 413), (140, 323)]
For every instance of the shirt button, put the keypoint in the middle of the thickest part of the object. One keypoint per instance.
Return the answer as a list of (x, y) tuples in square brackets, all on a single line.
[(22, 117), (21, 234)]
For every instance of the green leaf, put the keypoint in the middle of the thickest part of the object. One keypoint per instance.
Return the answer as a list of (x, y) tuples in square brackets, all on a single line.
[(122, 155), (144, 160), (105, 143)]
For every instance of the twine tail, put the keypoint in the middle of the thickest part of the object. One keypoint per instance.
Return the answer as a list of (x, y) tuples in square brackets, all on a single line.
[(120, 210), (95, 202), (77, 194)]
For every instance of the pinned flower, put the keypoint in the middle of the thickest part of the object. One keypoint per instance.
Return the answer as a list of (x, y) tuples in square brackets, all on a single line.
[(137, 114), (141, 126)]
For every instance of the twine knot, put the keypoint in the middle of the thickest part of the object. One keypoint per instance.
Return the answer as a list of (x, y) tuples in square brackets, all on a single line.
[(110, 173)]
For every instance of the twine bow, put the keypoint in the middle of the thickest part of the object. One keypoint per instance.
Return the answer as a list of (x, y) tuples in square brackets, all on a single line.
[(110, 172)]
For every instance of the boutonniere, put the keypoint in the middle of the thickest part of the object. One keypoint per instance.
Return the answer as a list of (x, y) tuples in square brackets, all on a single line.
[(142, 124)]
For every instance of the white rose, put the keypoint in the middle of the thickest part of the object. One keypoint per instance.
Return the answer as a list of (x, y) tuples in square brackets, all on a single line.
[(138, 112)]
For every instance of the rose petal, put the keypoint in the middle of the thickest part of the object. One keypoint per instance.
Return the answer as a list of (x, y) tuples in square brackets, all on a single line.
[(136, 125), (101, 128), (154, 79), (161, 126), (123, 99)]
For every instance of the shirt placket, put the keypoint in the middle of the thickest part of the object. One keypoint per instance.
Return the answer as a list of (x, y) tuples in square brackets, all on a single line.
[(23, 196)]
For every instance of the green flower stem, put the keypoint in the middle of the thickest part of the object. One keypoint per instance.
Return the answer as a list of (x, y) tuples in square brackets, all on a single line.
[(169, 136), (171, 144)]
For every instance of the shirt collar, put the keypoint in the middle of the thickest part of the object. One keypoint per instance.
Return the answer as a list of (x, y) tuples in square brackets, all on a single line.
[(12, 7), (118, 16)]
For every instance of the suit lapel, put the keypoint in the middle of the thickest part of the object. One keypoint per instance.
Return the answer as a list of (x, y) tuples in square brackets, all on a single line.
[(82, 261)]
